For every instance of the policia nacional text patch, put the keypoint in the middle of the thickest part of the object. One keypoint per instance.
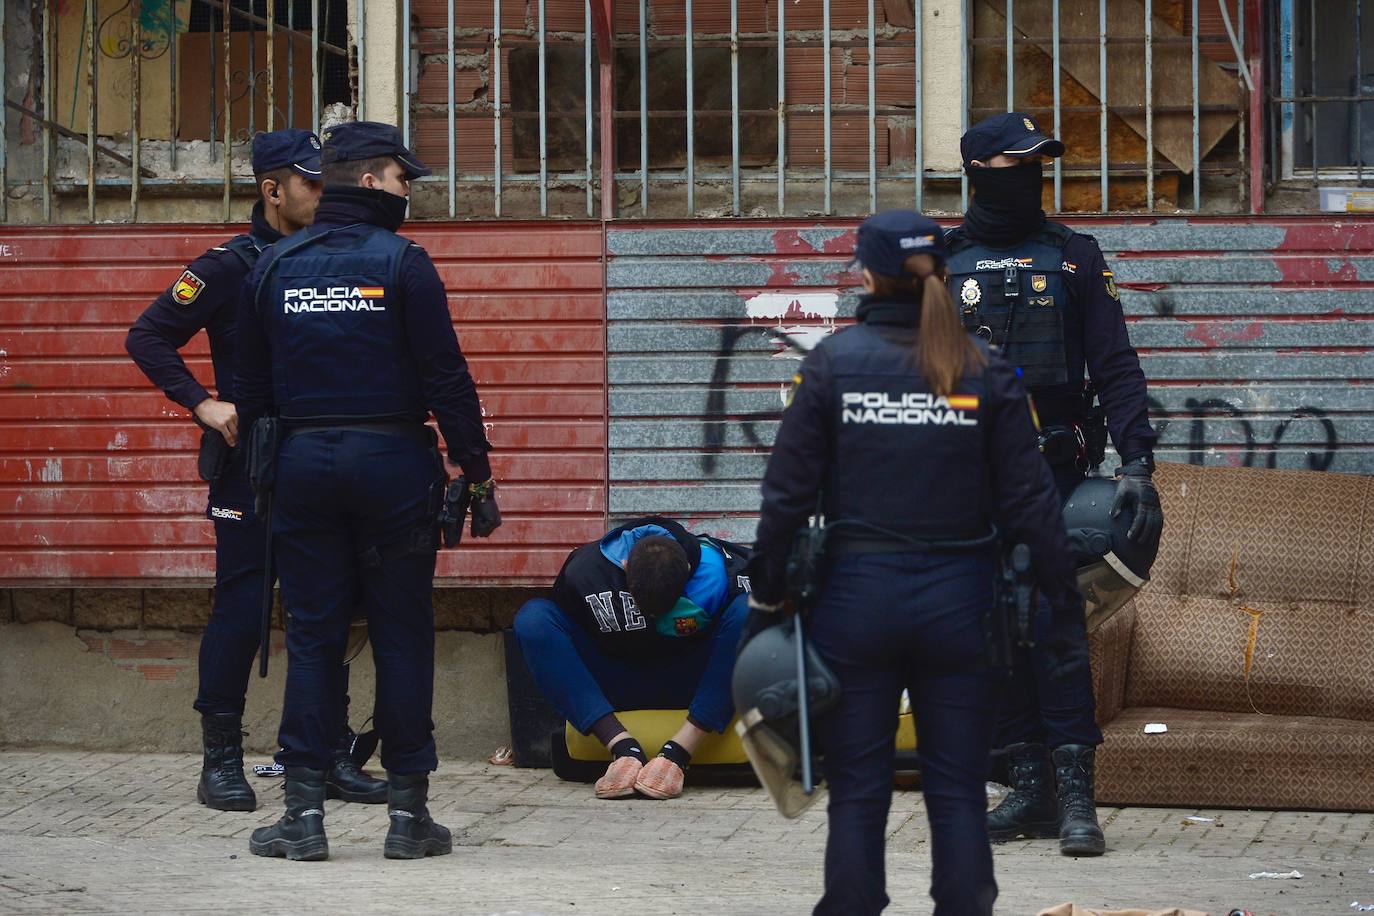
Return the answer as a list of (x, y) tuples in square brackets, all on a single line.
[(187, 288)]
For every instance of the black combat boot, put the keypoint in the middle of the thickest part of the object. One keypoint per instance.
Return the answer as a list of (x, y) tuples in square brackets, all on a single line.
[(222, 783), (1029, 811), (347, 781), (413, 834), (299, 835), (1079, 834)]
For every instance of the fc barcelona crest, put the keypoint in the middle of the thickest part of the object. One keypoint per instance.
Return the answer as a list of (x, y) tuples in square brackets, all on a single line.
[(187, 288), (971, 293), (1039, 282)]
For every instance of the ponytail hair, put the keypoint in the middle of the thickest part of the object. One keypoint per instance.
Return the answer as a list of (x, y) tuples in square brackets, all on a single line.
[(944, 351)]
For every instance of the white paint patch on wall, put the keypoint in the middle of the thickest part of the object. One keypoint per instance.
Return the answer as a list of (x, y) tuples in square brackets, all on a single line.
[(52, 471), (779, 305)]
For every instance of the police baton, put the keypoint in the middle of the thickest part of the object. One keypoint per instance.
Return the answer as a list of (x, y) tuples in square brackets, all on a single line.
[(265, 637), (803, 708)]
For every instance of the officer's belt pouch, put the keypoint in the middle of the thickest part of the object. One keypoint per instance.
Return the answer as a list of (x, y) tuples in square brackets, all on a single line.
[(213, 458), (1060, 445), (261, 460)]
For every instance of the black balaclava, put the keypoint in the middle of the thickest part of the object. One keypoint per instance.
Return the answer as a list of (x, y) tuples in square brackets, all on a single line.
[(1006, 203)]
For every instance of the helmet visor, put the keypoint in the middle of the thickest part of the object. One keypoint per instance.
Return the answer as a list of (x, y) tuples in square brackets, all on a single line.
[(776, 763), (1106, 586)]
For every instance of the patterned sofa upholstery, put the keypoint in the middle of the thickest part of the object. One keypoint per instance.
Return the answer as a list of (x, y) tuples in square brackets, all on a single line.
[(1253, 643)]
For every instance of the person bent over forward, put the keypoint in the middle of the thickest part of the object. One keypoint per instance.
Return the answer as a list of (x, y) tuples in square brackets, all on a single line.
[(648, 617)]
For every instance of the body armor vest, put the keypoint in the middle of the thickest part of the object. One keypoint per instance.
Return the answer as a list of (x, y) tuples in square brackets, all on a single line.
[(906, 460), (335, 322), (247, 250), (1014, 298)]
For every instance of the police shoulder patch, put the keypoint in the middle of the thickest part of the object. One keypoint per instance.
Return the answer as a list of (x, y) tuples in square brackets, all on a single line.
[(791, 392), (1111, 285), (187, 288)]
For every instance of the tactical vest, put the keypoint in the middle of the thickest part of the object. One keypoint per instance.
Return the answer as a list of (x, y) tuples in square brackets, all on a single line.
[(335, 322), (247, 249), (905, 459), (1014, 298)]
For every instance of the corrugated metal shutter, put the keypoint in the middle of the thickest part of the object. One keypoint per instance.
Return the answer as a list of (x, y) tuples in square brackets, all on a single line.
[(97, 469), (1255, 337)]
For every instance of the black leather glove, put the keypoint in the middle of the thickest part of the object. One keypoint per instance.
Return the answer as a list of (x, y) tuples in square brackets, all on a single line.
[(486, 515), (1135, 490)]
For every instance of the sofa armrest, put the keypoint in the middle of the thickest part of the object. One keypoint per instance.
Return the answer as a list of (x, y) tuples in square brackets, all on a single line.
[(1109, 653)]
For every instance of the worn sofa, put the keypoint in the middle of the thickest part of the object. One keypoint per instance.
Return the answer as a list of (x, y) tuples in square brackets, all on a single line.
[(1253, 643)]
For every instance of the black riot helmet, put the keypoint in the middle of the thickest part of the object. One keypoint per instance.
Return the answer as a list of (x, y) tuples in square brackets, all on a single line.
[(764, 687), (1111, 567)]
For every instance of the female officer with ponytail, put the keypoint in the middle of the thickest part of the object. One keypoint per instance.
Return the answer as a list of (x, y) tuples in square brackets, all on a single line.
[(919, 445)]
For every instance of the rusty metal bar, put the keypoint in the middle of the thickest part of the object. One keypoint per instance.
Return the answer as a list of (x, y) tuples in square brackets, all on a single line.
[(315, 69), (964, 97), (643, 103), (543, 116), (172, 34), (47, 111), (135, 103), (825, 128), (214, 46), (588, 136), (228, 115), (4, 122), (496, 99), (691, 125), (452, 125), (271, 66), (1197, 116), (1058, 160), (359, 32), (291, 67), (252, 79), (63, 131), (782, 108), (1312, 108), (295, 35), (919, 129), (872, 116), (1359, 88), (1011, 56), (1102, 97), (89, 39), (1149, 107), (734, 107)]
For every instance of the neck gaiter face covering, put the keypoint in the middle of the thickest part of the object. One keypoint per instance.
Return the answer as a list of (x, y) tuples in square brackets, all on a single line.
[(393, 208), (1006, 203)]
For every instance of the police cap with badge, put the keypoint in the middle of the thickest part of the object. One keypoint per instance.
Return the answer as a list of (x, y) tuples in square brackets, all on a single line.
[(888, 238), (360, 140), (290, 148), (1010, 134)]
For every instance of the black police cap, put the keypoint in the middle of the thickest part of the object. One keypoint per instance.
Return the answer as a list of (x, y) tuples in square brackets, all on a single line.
[(358, 140), (1010, 134), (888, 238), (299, 149)]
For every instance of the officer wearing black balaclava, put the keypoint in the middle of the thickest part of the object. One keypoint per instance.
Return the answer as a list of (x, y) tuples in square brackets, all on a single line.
[(1045, 296), (345, 336)]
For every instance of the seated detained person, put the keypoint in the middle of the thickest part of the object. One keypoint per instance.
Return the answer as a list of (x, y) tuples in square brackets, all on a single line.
[(648, 617)]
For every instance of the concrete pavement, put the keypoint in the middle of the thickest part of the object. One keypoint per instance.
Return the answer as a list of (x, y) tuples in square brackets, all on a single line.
[(121, 833)]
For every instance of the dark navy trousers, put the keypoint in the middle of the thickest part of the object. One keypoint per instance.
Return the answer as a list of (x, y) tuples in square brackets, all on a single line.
[(232, 635), (1038, 708), (339, 494), (886, 622), (585, 684)]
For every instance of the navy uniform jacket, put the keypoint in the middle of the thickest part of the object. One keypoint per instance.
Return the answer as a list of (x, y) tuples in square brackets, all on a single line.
[(591, 590), (862, 425), (1095, 340), (430, 342), (206, 295)]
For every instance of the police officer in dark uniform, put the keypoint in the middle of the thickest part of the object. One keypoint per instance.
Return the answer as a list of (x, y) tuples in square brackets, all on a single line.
[(346, 340), (918, 443), (286, 166), (1045, 296)]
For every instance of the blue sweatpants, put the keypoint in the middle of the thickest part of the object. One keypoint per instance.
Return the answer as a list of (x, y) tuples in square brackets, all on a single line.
[(585, 684)]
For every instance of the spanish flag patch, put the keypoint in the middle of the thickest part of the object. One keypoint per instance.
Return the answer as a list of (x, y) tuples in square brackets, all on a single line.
[(371, 292), (963, 401)]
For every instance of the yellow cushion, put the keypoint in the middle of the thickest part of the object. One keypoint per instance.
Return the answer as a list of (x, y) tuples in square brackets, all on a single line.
[(655, 726)]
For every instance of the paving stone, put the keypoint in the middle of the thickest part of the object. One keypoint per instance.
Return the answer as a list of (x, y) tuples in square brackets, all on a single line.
[(116, 833)]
